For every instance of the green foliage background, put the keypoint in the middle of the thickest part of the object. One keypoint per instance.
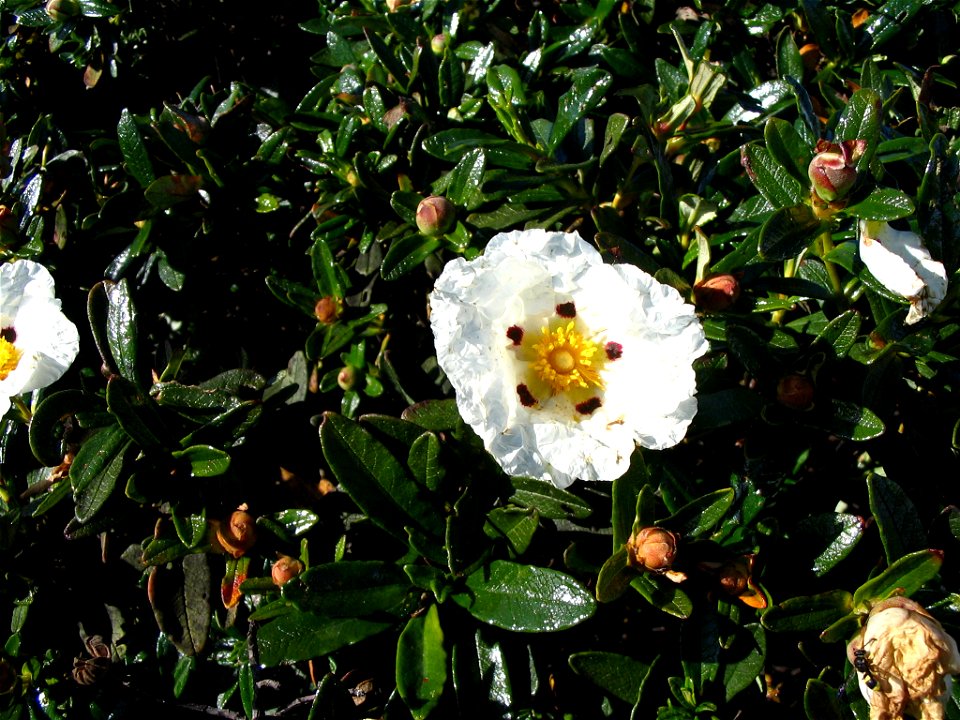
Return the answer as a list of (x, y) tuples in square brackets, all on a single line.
[(198, 175)]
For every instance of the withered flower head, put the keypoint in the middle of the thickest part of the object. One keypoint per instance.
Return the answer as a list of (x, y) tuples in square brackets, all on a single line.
[(904, 660), (652, 548), (238, 534), (716, 293)]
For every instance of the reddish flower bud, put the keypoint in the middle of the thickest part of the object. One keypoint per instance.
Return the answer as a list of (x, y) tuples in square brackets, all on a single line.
[(716, 293), (652, 548), (328, 309), (795, 391), (285, 569), (435, 215), (833, 169), (347, 377), (238, 534)]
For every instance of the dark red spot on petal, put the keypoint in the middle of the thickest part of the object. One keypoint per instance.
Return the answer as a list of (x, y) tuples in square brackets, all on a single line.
[(614, 350), (515, 334), (589, 406), (567, 310), (526, 397), (8, 334)]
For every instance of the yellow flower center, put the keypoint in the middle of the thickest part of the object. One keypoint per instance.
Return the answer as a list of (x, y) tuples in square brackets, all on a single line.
[(9, 357), (564, 359)]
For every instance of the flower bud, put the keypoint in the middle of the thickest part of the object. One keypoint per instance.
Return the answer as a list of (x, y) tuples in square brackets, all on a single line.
[(652, 548), (438, 43), (61, 10), (795, 391), (328, 309), (238, 534), (285, 569), (833, 169), (347, 377), (435, 215), (716, 293), (904, 660)]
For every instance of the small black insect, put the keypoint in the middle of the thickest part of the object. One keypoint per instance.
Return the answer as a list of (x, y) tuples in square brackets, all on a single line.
[(862, 666)]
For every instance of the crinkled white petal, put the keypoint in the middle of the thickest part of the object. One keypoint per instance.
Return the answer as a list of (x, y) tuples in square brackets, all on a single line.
[(899, 260), (649, 392), (48, 341)]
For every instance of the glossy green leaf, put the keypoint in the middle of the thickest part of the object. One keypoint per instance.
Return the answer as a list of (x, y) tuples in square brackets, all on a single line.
[(422, 663), (905, 576), (376, 481), (745, 659), (302, 636), (357, 588), (407, 253), (96, 468), (901, 530), (853, 421), (787, 148), (615, 577), (135, 156), (549, 500), (436, 415), (888, 20), (588, 90), (772, 179), (625, 490), (820, 701), (663, 594), (203, 460), (860, 120), (620, 675), (841, 333), (883, 204), (808, 613), (170, 190), (516, 525), (525, 598), (466, 179), (701, 515), (788, 231), (46, 424), (121, 329), (828, 538), (138, 414)]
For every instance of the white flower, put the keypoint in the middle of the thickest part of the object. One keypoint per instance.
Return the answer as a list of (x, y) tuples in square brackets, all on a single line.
[(37, 341), (561, 363), (904, 660), (899, 260)]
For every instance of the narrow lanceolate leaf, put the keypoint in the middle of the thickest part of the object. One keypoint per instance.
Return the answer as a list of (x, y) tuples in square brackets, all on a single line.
[(904, 577), (860, 120), (94, 472), (808, 613), (121, 330), (701, 515), (357, 588), (663, 595), (901, 530), (619, 675), (525, 598), (377, 482), (421, 663), (787, 232), (829, 538), (589, 87), (883, 204), (135, 156), (841, 333), (180, 598), (772, 179), (137, 413), (301, 636), (745, 659)]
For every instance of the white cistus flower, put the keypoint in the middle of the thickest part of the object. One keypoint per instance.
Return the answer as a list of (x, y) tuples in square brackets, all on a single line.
[(37, 342), (563, 364), (904, 659), (901, 263)]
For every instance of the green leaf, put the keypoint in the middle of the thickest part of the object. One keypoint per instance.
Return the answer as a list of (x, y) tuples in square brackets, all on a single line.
[(625, 490), (615, 577), (618, 675), (204, 460), (663, 594), (901, 530), (466, 179), (549, 500), (516, 525), (848, 420), (841, 333), (787, 148), (180, 598), (905, 576), (829, 538), (436, 415), (169, 190), (788, 231), (745, 659), (357, 588), (808, 613), (772, 179), (135, 156), (138, 414), (407, 253), (421, 663), (121, 329), (247, 683), (883, 204), (889, 20), (95, 469), (46, 430), (820, 701), (302, 636), (617, 123), (377, 482), (589, 87), (860, 120), (701, 515), (525, 598)]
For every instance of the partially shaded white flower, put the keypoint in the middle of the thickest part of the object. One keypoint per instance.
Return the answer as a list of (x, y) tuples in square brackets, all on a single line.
[(563, 364), (904, 660), (899, 260), (37, 342)]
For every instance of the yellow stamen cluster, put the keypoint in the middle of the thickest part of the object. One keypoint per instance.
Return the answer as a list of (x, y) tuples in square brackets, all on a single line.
[(9, 358), (564, 359)]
